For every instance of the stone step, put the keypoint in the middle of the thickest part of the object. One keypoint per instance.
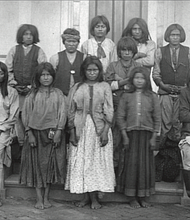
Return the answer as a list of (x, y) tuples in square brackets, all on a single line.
[(165, 192)]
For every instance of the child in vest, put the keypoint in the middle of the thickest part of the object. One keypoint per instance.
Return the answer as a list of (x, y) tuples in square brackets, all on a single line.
[(44, 116), (21, 62), (138, 118)]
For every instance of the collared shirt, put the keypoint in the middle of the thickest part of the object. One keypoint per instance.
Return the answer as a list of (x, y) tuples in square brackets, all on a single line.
[(90, 47)]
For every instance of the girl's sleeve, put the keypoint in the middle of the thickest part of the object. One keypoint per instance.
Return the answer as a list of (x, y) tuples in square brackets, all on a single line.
[(71, 107), (27, 110), (149, 59), (121, 113), (62, 111), (184, 107), (13, 111), (108, 104), (156, 113)]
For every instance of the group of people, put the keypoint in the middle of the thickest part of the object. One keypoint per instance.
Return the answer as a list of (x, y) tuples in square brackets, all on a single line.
[(97, 102)]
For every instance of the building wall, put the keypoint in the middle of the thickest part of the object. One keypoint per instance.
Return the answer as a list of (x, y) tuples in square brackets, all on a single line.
[(118, 13), (50, 17)]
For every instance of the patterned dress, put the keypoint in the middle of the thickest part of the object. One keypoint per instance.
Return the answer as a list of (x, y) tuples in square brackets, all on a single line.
[(90, 166)]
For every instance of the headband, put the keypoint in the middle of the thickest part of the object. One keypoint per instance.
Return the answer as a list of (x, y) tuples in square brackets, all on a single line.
[(70, 36)]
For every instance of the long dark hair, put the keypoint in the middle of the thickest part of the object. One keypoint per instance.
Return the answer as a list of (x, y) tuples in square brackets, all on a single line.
[(146, 73), (4, 90), (174, 27), (91, 60), (25, 27), (143, 25), (126, 43), (38, 72), (98, 19)]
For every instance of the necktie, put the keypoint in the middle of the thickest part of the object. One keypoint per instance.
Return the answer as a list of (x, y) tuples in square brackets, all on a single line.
[(174, 57), (100, 51)]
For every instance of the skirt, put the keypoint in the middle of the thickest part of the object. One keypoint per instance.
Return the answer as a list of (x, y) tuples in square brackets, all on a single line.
[(90, 166), (43, 164), (136, 174)]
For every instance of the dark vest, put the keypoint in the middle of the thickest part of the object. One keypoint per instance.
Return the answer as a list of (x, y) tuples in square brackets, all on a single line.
[(180, 76), (24, 66), (62, 78)]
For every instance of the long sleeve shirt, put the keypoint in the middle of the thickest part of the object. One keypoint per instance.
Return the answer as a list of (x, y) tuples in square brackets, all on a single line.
[(149, 50), (9, 108), (95, 100), (117, 71), (139, 111), (45, 110), (90, 47)]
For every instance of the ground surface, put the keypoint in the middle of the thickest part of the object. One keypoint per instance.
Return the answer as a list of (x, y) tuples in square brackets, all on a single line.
[(20, 209)]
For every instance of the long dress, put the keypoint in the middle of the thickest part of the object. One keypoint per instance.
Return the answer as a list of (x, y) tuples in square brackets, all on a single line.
[(90, 166), (136, 175), (139, 114), (44, 163)]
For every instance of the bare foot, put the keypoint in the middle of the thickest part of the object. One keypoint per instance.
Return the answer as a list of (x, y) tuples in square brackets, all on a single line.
[(101, 195), (39, 205), (95, 205), (134, 204), (47, 204), (144, 204), (82, 203)]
